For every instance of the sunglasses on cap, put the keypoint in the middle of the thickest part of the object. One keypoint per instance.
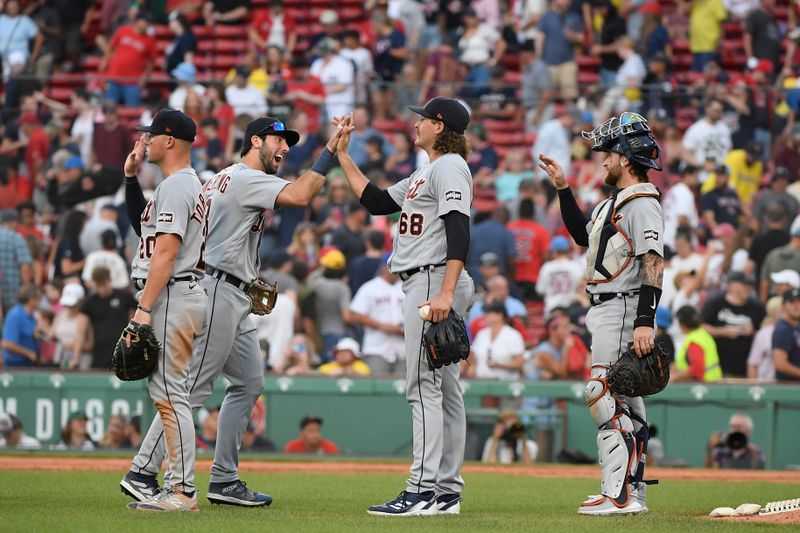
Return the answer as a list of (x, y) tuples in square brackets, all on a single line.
[(275, 126)]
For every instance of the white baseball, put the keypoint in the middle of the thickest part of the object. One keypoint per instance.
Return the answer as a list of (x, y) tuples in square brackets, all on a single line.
[(424, 312)]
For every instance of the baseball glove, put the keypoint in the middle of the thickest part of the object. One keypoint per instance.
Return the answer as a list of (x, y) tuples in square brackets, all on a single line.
[(633, 376), (140, 359), (446, 341), (263, 295)]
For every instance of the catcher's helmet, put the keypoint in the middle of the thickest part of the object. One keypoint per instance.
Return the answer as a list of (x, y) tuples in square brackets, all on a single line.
[(628, 135)]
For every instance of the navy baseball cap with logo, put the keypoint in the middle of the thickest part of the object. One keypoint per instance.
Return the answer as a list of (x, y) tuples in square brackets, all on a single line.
[(172, 122), (268, 126), (451, 112)]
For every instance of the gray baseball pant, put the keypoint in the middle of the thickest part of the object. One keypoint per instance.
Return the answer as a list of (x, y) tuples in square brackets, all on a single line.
[(177, 318), (437, 405), (227, 345)]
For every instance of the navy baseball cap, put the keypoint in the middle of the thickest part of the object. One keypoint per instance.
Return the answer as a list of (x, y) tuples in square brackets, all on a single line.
[(268, 126), (172, 122), (447, 110)]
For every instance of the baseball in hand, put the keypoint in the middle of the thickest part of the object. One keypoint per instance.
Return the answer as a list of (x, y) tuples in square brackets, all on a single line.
[(424, 312)]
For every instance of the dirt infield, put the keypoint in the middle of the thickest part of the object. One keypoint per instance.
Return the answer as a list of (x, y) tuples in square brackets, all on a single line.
[(792, 517), (104, 464)]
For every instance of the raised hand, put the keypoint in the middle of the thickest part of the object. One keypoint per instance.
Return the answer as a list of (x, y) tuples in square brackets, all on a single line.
[(347, 126), (135, 158), (554, 171)]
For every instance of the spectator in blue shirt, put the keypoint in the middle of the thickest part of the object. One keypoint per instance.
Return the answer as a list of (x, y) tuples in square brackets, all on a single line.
[(16, 31), (497, 291), (492, 236), (786, 339), (559, 31), (20, 347), (15, 261)]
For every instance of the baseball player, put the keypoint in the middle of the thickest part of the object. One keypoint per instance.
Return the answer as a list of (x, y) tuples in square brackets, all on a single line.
[(170, 297), (624, 266), (235, 204), (429, 251)]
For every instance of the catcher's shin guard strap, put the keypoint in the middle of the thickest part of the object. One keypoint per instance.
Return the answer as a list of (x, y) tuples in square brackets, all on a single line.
[(616, 456)]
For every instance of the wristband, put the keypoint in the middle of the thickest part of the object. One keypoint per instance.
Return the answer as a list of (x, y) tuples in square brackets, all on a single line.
[(649, 297), (144, 309), (324, 162), (129, 180)]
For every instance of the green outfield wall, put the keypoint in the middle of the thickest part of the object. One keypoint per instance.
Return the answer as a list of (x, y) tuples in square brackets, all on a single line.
[(371, 417)]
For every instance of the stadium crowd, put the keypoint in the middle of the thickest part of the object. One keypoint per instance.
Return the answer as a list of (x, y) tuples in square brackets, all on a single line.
[(726, 124)]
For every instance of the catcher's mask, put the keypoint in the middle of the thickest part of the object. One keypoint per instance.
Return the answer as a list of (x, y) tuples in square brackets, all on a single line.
[(628, 135)]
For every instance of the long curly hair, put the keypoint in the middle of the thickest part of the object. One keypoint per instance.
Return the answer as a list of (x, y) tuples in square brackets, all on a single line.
[(452, 142)]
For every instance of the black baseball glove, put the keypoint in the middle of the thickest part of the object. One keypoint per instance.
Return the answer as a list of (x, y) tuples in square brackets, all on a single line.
[(632, 375), (446, 341), (140, 359)]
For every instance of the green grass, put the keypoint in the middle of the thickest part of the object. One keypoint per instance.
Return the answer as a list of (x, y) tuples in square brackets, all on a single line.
[(91, 501)]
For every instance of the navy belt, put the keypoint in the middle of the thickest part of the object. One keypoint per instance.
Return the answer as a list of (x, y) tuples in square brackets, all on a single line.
[(227, 278), (138, 283), (600, 297), (404, 275)]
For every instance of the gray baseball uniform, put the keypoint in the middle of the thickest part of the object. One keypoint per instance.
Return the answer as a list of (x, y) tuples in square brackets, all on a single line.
[(177, 317), (437, 405), (642, 223), (234, 202), (621, 229)]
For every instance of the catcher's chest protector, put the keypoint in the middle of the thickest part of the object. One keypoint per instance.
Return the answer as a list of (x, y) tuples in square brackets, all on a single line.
[(610, 249)]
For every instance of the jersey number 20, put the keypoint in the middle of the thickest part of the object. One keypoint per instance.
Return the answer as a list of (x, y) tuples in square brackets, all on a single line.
[(411, 224)]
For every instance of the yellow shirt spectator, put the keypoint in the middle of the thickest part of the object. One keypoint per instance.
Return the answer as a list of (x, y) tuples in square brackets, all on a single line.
[(705, 25), (745, 176), (258, 78), (345, 360), (358, 368)]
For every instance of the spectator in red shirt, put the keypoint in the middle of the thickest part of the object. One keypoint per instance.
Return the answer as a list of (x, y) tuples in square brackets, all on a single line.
[(222, 112), (273, 27), (305, 92), (36, 151), (533, 242), (310, 440), (129, 61)]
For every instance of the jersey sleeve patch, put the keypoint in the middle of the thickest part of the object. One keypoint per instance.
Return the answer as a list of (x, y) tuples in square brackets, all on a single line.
[(650, 234), (166, 218), (452, 195)]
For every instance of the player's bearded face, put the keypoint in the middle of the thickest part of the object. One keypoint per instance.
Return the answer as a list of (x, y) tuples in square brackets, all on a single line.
[(613, 169), (271, 154)]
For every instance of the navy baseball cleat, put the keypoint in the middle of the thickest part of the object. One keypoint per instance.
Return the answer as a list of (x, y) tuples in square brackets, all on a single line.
[(140, 487), (407, 504), (448, 504), (236, 493)]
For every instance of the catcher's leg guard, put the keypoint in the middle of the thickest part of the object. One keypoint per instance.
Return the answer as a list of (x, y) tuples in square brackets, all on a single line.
[(615, 440)]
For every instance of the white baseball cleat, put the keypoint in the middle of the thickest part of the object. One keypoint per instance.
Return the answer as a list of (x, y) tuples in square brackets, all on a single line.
[(600, 505), (448, 504), (167, 500)]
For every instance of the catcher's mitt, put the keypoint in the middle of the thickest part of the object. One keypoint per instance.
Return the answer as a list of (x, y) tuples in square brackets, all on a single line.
[(140, 359), (446, 341), (263, 295), (632, 375)]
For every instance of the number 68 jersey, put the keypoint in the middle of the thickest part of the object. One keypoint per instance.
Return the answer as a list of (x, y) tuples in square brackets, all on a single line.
[(177, 208), (431, 192)]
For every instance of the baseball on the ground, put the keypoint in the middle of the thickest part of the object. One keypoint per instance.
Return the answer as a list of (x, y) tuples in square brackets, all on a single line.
[(424, 312)]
